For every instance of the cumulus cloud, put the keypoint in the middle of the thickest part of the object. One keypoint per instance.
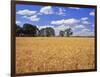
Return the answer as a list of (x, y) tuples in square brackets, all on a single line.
[(71, 21), (58, 22), (46, 10), (84, 32), (61, 11), (44, 26), (92, 13), (84, 18), (63, 27), (66, 21), (32, 18), (85, 22), (18, 22), (78, 27), (59, 28), (26, 12)]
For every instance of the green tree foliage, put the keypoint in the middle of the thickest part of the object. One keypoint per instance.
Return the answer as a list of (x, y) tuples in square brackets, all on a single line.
[(68, 32), (30, 30), (48, 31), (61, 33), (19, 30)]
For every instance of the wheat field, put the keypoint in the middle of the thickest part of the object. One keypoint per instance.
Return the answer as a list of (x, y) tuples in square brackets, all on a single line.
[(42, 54)]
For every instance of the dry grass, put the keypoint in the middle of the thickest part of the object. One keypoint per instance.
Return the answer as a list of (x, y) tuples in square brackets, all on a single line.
[(40, 54)]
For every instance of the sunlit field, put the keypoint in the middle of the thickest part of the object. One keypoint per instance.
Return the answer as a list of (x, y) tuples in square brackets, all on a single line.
[(42, 54)]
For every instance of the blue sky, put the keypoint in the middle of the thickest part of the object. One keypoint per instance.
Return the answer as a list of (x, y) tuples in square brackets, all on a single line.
[(81, 20)]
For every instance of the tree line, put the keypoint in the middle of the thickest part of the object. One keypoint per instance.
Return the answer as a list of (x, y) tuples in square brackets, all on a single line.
[(29, 30)]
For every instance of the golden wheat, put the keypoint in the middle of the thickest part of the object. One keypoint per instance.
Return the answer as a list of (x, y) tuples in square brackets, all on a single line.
[(40, 54)]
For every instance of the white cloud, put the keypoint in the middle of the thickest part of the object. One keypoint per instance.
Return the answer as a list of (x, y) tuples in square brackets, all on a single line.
[(18, 22), (84, 32), (58, 22), (59, 28), (61, 11), (46, 10), (39, 13), (26, 12), (62, 27), (79, 27), (92, 13), (66, 21), (85, 22), (71, 21), (32, 18), (84, 18), (74, 8), (44, 26)]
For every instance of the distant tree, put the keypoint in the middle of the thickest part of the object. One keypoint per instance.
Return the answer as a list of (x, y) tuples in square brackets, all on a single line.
[(68, 32), (48, 31), (42, 32), (19, 30), (30, 30), (61, 33)]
